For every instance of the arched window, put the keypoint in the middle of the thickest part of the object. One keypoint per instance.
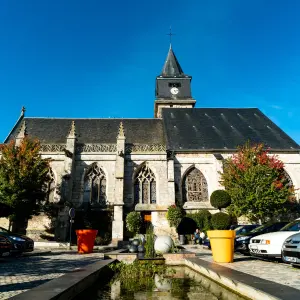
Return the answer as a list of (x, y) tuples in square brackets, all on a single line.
[(145, 186), (50, 187), (95, 186), (194, 187)]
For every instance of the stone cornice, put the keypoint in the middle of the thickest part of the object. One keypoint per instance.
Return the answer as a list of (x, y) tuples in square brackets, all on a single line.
[(53, 147), (96, 148), (144, 148)]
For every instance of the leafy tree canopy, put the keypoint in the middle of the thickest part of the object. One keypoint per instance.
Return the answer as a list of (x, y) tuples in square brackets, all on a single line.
[(257, 183), (23, 177)]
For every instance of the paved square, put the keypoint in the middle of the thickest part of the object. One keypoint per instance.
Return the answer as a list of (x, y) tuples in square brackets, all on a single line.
[(274, 271), (20, 274)]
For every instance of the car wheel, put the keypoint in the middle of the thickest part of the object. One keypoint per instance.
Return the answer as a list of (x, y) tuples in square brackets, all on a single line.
[(283, 260)]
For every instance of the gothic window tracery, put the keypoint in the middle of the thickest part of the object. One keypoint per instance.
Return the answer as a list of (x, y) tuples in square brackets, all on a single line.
[(194, 187), (145, 186), (95, 186)]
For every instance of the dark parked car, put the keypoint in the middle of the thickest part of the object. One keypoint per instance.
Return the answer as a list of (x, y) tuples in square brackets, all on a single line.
[(20, 243), (242, 241), (239, 229), (244, 229), (5, 246)]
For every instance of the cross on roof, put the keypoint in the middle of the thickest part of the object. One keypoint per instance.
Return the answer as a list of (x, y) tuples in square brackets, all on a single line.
[(170, 34)]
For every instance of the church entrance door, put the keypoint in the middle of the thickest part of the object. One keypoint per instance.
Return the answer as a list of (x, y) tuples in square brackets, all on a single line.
[(146, 221)]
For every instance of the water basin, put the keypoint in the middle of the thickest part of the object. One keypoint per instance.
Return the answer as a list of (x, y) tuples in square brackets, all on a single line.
[(183, 284)]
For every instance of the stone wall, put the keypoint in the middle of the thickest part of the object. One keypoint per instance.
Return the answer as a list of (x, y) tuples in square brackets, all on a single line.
[(36, 228)]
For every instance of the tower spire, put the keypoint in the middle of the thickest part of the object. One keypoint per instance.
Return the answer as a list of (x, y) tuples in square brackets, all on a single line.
[(172, 67)]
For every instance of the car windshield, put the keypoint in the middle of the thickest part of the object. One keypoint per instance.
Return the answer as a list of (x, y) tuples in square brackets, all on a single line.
[(3, 229), (238, 228), (259, 228), (293, 226)]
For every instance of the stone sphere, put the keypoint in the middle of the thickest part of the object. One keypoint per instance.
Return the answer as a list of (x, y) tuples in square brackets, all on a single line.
[(132, 249), (135, 242), (163, 244), (141, 248)]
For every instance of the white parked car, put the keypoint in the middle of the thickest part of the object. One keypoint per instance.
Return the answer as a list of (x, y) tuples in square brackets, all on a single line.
[(291, 249), (270, 244)]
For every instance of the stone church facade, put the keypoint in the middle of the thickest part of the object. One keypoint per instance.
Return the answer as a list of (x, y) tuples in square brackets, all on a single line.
[(149, 164)]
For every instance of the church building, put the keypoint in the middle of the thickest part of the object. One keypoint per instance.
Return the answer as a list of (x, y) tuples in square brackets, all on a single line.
[(147, 165)]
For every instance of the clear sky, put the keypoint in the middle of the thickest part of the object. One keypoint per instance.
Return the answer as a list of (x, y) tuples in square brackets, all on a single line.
[(70, 58)]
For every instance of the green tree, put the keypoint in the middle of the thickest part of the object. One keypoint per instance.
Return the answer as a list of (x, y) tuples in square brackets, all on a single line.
[(23, 180), (257, 183)]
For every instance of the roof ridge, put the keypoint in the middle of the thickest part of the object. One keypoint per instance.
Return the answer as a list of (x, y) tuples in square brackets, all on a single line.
[(21, 117)]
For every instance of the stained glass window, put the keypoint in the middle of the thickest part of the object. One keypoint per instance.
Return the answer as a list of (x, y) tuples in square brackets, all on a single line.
[(95, 186), (145, 186), (194, 187)]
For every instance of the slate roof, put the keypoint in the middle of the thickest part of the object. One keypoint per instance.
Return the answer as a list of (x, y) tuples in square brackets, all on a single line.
[(172, 67), (52, 130), (222, 129)]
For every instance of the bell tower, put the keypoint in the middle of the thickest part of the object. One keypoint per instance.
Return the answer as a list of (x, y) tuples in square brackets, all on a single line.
[(173, 87)]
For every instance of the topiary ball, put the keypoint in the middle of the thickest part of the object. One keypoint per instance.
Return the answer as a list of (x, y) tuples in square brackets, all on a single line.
[(220, 199), (220, 221)]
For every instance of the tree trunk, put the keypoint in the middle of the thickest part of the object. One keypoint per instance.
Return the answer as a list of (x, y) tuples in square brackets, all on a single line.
[(19, 225)]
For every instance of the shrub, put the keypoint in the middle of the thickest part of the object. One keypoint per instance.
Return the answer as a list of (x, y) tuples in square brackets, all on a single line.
[(202, 219), (103, 240), (220, 221), (149, 245), (134, 222), (174, 215), (220, 199)]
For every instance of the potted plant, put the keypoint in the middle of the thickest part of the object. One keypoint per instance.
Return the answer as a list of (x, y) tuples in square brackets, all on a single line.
[(134, 222), (86, 237), (174, 216), (221, 239), (133, 225)]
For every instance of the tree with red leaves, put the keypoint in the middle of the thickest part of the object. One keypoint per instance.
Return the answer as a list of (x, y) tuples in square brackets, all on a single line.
[(257, 183), (23, 180)]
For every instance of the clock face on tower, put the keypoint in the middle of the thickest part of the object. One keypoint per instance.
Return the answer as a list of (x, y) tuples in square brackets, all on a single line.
[(174, 90)]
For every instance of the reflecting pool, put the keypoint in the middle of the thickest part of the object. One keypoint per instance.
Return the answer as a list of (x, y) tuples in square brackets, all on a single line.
[(184, 283)]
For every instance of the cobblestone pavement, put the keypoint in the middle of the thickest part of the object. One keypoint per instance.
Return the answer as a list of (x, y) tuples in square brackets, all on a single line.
[(274, 271), (20, 274)]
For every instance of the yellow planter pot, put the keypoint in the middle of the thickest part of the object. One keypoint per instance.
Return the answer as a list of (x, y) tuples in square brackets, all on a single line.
[(222, 245)]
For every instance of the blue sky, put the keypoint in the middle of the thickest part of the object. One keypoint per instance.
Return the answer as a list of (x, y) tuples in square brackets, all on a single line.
[(69, 58)]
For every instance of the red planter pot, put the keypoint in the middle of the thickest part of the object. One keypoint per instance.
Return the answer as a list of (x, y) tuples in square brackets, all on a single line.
[(86, 240)]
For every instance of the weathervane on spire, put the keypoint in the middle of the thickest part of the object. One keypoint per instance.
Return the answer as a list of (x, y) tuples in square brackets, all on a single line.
[(170, 34)]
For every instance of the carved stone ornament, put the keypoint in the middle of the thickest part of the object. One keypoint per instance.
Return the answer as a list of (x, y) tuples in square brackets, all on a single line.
[(53, 147), (72, 133), (144, 148), (96, 148), (121, 133)]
